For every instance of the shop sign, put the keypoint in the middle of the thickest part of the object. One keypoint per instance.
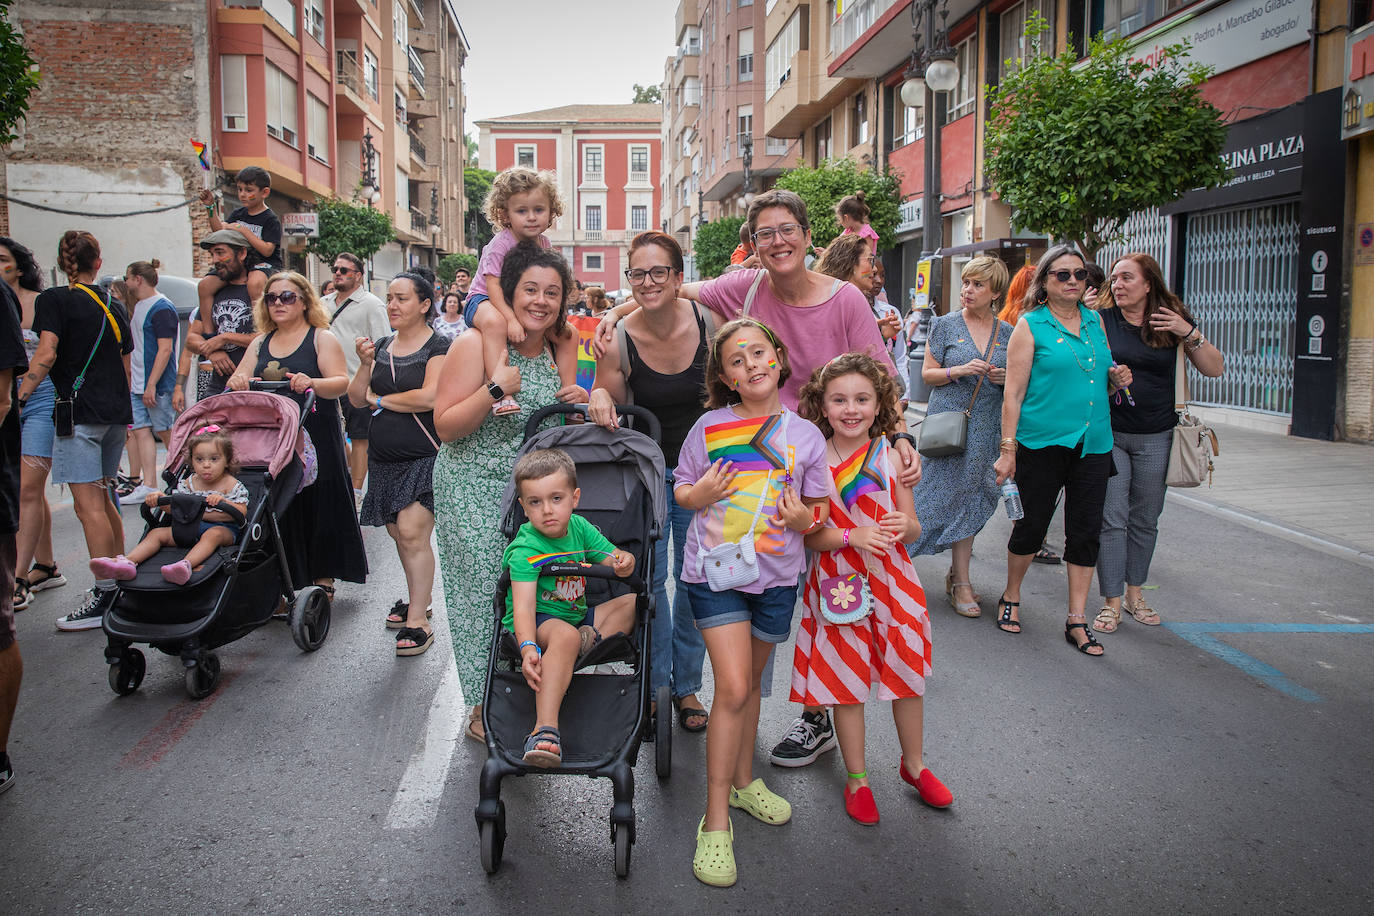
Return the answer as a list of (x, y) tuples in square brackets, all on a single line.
[(1265, 156), (910, 213), (306, 225), (1232, 34), (1357, 98)]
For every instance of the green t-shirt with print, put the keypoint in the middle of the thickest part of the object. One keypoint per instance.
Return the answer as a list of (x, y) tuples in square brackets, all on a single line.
[(564, 597)]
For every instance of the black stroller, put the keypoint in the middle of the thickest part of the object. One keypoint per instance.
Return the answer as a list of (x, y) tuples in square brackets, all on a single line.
[(237, 590), (604, 716)]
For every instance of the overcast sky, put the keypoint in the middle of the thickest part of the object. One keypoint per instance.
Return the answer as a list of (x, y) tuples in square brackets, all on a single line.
[(533, 54)]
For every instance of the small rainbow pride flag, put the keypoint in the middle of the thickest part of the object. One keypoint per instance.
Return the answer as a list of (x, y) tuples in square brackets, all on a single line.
[(585, 326), (201, 154), (862, 472), (755, 444)]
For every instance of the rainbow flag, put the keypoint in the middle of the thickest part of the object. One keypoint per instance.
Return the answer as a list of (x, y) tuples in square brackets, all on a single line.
[(585, 325), (755, 444), (202, 154), (862, 472)]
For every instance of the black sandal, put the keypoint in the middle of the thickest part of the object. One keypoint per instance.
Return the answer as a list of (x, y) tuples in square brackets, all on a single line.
[(401, 611), (691, 712), (1004, 619), (537, 756), (416, 635), (1068, 637), (51, 577)]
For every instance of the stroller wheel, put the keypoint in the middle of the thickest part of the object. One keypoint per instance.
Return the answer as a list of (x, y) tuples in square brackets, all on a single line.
[(492, 836), (127, 673), (663, 734), (310, 618), (202, 677), (622, 836)]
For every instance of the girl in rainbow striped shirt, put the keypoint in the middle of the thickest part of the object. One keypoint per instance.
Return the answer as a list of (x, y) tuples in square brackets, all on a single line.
[(754, 474), (865, 619)]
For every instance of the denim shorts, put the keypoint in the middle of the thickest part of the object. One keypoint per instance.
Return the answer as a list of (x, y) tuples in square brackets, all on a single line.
[(160, 416), (769, 614), (235, 530), (470, 307), (90, 454), (35, 421), (586, 621)]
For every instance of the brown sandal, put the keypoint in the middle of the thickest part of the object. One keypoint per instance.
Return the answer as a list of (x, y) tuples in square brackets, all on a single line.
[(1107, 620), (1142, 612)]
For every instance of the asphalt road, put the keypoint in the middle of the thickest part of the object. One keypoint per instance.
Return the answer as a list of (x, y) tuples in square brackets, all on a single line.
[(1162, 778)]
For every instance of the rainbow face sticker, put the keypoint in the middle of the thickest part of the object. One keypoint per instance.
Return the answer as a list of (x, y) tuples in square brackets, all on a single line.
[(741, 343), (772, 364)]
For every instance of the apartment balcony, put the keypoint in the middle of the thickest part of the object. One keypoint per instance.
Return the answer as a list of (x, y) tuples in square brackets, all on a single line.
[(423, 108), (417, 151), (874, 36), (804, 94), (349, 89), (424, 42), (595, 180), (417, 72), (417, 14), (419, 222), (688, 13)]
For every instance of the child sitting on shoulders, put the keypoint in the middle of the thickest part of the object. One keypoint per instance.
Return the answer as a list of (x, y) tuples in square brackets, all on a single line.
[(864, 621), (259, 226), (523, 204), (211, 455), (549, 614)]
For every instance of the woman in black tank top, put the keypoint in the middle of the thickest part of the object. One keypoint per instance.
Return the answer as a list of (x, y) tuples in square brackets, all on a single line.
[(644, 365)]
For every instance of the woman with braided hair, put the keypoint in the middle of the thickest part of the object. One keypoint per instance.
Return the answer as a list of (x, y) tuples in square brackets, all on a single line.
[(83, 346)]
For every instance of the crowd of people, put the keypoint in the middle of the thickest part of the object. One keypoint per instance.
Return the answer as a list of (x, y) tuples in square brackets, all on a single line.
[(779, 388)]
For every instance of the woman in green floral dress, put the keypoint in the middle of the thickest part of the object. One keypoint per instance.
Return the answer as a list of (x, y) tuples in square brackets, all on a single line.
[(479, 447)]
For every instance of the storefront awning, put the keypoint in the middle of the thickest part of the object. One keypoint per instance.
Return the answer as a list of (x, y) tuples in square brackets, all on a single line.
[(990, 245)]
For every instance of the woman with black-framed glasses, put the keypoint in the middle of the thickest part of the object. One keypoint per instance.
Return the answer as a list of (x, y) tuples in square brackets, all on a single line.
[(1057, 433), (647, 363)]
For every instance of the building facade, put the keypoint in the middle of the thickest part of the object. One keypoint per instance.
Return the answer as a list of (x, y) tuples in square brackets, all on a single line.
[(609, 162), (292, 86), (1261, 262)]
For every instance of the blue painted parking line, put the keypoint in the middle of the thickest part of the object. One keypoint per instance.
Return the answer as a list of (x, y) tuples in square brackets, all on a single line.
[(1200, 635)]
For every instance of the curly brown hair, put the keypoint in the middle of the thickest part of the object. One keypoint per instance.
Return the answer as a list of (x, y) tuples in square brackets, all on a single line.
[(719, 394), (812, 398), (518, 180)]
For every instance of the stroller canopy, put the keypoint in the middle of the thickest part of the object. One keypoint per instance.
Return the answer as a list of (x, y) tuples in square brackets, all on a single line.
[(265, 428)]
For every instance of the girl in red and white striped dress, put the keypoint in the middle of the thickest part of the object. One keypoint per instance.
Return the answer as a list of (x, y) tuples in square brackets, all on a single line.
[(865, 618)]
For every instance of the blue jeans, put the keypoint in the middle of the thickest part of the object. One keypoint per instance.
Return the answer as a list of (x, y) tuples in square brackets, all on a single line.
[(678, 650)]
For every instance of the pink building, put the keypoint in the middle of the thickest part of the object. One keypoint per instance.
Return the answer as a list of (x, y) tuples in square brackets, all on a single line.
[(608, 160)]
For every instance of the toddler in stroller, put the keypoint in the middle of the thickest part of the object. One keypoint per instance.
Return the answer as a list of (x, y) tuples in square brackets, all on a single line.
[(210, 453), (548, 614)]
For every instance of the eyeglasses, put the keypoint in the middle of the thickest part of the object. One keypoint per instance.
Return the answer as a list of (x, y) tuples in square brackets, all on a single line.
[(345, 269), (1063, 275), (659, 274), (287, 298), (790, 232)]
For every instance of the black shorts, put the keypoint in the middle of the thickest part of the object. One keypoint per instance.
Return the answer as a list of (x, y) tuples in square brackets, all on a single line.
[(357, 420), (1040, 474)]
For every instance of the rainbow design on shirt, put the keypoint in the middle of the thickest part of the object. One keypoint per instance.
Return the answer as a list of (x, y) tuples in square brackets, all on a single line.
[(585, 326), (862, 472), (755, 444), (563, 556)]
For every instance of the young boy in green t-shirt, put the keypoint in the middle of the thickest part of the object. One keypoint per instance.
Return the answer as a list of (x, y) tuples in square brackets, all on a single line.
[(549, 614)]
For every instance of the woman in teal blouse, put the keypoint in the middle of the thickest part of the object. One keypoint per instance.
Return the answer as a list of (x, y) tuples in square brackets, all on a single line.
[(1057, 433)]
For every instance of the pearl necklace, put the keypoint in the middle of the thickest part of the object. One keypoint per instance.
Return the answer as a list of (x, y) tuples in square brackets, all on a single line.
[(1086, 338)]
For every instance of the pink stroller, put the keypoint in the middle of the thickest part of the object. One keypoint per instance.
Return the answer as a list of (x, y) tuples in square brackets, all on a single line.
[(239, 588)]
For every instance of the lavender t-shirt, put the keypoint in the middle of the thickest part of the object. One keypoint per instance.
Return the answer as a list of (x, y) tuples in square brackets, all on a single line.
[(813, 334), (766, 452), (494, 255)]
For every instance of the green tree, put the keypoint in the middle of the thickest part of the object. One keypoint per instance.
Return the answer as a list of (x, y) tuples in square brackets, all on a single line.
[(449, 264), (476, 186), (714, 244), (1074, 149), (350, 227), (18, 76), (645, 94), (470, 146), (824, 185)]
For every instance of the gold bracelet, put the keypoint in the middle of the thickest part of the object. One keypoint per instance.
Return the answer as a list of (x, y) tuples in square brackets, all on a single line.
[(1007, 440)]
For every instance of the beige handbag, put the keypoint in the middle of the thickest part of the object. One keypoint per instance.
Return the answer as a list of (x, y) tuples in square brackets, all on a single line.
[(1190, 455)]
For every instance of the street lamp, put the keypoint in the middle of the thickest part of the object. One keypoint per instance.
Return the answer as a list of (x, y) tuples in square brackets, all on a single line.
[(931, 70), (434, 226), (371, 189)]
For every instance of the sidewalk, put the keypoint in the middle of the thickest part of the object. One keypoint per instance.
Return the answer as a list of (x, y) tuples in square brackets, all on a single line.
[(1316, 493)]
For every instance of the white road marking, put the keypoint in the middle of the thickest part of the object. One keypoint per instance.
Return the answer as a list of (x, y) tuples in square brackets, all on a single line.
[(416, 802)]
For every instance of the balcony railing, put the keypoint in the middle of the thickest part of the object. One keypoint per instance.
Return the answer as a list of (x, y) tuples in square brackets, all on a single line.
[(639, 177), (419, 221), (418, 9), (592, 177), (349, 74), (592, 235), (858, 18), (417, 67), (417, 149)]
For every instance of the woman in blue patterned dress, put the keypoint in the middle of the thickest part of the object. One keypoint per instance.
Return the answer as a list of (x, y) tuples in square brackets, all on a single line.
[(958, 493)]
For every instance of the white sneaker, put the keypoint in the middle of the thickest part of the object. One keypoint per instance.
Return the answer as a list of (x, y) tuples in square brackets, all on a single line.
[(136, 495), (91, 613)]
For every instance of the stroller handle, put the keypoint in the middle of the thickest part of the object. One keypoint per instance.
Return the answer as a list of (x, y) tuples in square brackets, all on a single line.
[(655, 431), (284, 388), (595, 571)]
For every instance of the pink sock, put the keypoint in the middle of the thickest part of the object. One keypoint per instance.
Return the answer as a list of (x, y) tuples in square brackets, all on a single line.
[(178, 573)]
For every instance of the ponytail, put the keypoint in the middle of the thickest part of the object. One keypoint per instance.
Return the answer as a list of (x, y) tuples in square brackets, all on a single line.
[(145, 271)]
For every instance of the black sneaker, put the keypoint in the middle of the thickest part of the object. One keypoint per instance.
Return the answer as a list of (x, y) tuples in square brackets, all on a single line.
[(91, 613), (6, 773), (810, 736)]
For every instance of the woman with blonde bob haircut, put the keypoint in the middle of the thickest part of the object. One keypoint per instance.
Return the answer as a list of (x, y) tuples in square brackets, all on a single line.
[(965, 364), (320, 529)]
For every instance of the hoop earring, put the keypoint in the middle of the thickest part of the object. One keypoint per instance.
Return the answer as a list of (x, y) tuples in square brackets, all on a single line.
[(1042, 296)]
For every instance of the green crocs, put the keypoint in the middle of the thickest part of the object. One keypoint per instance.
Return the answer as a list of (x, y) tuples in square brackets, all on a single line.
[(714, 862), (767, 806)]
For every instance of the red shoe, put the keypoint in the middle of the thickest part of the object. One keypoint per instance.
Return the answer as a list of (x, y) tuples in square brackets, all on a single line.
[(860, 805), (931, 790)]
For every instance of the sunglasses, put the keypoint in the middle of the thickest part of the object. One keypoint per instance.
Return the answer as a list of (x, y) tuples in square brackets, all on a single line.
[(343, 270), (287, 298), (1063, 275)]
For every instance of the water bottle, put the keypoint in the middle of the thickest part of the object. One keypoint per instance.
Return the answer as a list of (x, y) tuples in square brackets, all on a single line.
[(1011, 498)]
